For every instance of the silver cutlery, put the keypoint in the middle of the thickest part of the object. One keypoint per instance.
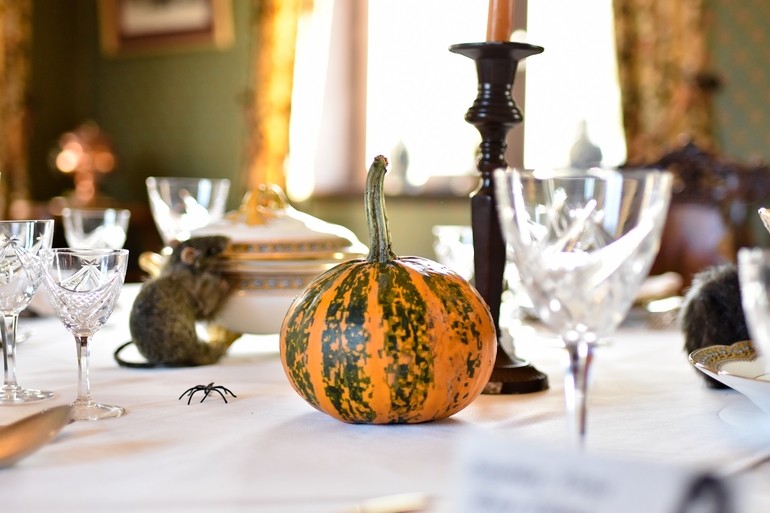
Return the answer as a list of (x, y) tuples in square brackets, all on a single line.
[(25, 436)]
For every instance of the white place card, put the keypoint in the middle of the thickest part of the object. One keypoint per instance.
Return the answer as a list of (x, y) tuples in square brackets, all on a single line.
[(499, 476)]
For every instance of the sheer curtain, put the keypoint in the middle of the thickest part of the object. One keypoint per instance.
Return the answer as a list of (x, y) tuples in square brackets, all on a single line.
[(15, 65)]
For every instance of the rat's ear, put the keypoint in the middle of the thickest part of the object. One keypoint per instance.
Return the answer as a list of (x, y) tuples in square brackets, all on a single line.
[(188, 254)]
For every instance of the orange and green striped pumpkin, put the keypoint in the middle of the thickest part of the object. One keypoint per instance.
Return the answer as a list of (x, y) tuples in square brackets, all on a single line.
[(386, 339)]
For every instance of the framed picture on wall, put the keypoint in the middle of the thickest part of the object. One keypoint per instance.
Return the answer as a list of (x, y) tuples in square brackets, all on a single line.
[(134, 27)]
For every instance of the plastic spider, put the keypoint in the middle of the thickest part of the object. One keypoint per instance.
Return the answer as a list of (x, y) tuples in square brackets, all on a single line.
[(208, 389)]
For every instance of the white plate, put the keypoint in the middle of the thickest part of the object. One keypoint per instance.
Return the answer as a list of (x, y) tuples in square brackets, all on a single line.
[(739, 367)]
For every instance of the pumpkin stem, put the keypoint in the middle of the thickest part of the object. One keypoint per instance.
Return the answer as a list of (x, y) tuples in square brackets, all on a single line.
[(376, 217)]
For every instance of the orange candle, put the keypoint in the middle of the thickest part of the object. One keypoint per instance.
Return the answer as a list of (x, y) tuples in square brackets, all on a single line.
[(500, 20)]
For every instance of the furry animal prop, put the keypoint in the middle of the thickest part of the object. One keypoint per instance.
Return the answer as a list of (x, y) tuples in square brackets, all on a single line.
[(712, 313), (166, 309)]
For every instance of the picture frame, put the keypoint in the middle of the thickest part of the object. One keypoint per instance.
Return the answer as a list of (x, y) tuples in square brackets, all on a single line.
[(138, 27)]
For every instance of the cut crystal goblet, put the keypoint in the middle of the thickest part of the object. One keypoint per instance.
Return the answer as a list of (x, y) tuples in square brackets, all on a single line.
[(95, 228), (20, 273), (83, 286), (583, 242), (180, 205), (754, 279)]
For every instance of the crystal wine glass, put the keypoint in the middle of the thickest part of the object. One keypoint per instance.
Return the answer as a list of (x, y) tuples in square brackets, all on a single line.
[(180, 205), (453, 246), (95, 228), (754, 278), (84, 285), (583, 242), (20, 273)]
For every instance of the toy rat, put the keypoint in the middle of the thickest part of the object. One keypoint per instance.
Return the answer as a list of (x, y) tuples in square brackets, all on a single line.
[(712, 312), (163, 317)]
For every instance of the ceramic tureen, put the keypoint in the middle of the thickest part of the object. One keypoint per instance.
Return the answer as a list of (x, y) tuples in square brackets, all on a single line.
[(274, 252)]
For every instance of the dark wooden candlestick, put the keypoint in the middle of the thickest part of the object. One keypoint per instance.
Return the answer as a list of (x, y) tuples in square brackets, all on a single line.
[(494, 113)]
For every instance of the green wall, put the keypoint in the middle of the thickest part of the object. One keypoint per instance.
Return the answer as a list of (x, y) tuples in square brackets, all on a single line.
[(739, 41), (60, 87), (168, 114), (411, 219)]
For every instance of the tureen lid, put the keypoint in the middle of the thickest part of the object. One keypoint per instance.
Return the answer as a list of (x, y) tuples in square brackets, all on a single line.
[(266, 227)]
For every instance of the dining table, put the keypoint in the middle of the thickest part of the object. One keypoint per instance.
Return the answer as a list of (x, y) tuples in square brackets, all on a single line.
[(266, 449)]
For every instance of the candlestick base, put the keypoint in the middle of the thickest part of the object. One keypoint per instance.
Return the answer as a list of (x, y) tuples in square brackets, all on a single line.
[(513, 375), (494, 113)]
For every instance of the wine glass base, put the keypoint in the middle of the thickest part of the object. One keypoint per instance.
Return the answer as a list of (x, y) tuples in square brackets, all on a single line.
[(18, 395), (95, 411)]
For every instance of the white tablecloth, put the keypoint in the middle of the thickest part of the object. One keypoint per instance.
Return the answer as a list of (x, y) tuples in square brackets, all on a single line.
[(267, 450)]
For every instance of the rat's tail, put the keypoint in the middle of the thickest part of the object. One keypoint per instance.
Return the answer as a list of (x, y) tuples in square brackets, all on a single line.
[(133, 365)]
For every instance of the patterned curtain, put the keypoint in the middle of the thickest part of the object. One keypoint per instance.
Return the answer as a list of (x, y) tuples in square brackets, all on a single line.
[(274, 35), (15, 65), (665, 85)]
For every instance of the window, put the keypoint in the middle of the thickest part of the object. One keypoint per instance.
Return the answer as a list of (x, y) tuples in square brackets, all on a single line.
[(396, 83), (418, 91), (574, 80)]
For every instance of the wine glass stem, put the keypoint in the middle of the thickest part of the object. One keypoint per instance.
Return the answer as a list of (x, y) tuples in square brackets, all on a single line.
[(576, 388), (8, 331), (84, 385)]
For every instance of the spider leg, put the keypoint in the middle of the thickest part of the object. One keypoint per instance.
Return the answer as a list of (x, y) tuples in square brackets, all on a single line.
[(193, 392), (215, 389), (189, 390), (208, 390), (228, 391)]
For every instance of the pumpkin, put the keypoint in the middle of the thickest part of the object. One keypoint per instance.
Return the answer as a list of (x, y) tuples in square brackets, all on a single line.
[(387, 339)]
